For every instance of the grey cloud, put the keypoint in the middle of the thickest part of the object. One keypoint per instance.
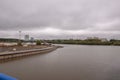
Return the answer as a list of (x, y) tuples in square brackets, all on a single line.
[(100, 15)]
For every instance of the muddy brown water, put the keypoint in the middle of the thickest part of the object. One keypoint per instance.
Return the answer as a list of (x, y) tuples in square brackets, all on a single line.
[(73, 62)]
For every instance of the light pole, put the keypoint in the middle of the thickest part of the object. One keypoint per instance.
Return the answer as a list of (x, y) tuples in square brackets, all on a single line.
[(19, 35), (19, 42)]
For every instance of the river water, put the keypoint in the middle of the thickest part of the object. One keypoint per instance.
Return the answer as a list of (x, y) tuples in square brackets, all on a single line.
[(73, 62)]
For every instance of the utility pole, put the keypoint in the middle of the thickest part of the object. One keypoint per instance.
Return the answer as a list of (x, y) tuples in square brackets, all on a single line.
[(19, 35), (19, 42)]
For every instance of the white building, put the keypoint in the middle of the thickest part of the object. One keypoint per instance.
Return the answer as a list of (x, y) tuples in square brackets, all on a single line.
[(26, 37)]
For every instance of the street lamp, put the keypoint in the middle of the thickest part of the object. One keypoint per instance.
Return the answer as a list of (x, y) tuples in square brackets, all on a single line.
[(19, 35), (19, 41)]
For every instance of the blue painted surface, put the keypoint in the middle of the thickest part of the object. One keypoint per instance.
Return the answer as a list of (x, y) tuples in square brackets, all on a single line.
[(6, 77)]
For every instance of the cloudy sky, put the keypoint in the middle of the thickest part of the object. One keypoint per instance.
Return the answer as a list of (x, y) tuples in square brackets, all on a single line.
[(60, 18)]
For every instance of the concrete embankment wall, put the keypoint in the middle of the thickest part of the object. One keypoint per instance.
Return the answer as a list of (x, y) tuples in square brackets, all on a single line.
[(17, 54)]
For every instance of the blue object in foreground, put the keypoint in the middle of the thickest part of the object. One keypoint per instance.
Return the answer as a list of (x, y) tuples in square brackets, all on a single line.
[(6, 77)]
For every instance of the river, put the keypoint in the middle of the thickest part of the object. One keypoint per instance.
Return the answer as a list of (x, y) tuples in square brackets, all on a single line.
[(73, 62)]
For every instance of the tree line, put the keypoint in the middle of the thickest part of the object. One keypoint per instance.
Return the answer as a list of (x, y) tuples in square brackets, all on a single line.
[(85, 42), (94, 41)]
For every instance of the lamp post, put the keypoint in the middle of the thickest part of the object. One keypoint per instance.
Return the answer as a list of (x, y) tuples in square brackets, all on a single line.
[(19, 42), (19, 35)]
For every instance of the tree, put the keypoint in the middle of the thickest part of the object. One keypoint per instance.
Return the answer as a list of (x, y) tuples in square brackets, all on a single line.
[(38, 42), (19, 43)]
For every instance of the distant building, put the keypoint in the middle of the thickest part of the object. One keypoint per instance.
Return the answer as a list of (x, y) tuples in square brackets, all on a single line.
[(26, 37), (104, 39), (31, 39)]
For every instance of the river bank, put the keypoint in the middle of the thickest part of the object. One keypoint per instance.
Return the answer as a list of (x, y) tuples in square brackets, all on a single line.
[(19, 48), (94, 41), (22, 52)]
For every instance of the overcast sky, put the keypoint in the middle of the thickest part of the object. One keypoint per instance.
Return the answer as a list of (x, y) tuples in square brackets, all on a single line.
[(60, 18)]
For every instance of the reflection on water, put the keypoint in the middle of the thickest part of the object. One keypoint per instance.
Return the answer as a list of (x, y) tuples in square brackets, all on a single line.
[(73, 62)]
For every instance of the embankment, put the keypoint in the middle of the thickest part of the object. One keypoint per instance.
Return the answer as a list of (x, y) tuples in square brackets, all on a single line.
[(5, 56)]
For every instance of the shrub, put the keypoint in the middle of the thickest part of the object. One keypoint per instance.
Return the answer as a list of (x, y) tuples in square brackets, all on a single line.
[(38, 42)]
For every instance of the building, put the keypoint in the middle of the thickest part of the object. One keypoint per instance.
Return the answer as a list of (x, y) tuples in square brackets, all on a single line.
[(104, 40), (26, 37), (32, 39)]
